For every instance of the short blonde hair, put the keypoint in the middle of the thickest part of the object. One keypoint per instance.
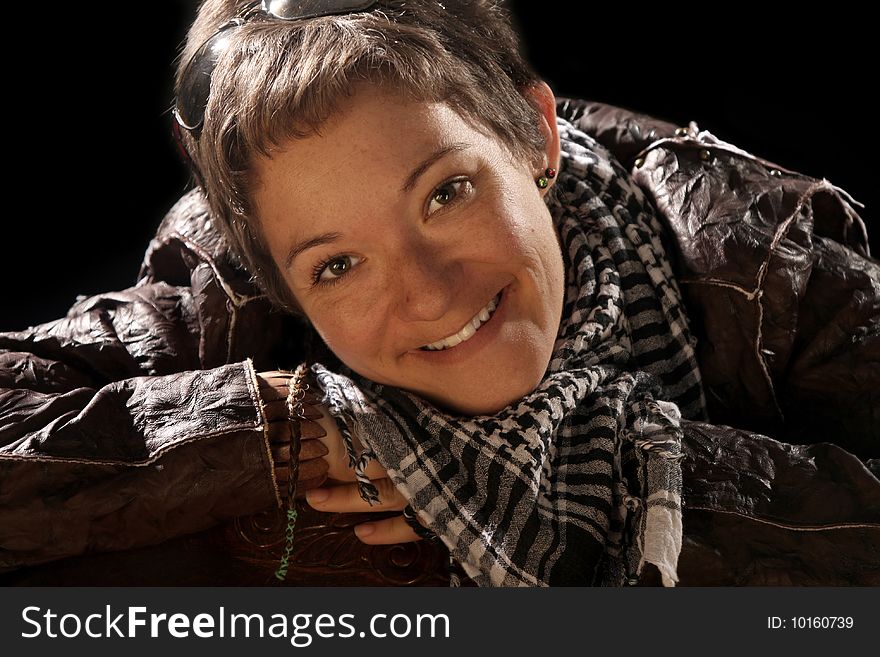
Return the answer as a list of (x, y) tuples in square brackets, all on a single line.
[(282, 79)]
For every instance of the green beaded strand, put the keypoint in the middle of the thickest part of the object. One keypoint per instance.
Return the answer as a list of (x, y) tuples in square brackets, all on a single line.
[(281, 573), (295, 413)]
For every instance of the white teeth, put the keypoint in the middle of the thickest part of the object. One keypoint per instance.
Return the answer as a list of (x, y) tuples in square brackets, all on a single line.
[(469, 329)]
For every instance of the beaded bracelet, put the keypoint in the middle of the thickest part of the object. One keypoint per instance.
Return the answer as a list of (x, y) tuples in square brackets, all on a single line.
[(297, 388)]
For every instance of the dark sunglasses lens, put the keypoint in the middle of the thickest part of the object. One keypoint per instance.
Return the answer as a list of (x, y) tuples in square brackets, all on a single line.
[(292, 9), (196, 83), (195, 87)]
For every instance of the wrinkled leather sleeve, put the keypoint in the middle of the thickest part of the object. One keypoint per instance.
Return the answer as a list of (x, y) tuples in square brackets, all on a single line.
[(137, 417), (786, 300), (761, 512), (131, 463), (775, 268)]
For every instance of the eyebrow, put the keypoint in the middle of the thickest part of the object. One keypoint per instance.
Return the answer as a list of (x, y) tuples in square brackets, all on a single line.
[(429, 161), (299, 247), (408, 186)]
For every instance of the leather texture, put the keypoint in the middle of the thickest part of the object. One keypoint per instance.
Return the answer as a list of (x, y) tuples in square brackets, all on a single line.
[(133, 447)]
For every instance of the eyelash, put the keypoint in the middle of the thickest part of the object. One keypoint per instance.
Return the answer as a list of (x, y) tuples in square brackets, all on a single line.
[(466, 189), (319, 268)]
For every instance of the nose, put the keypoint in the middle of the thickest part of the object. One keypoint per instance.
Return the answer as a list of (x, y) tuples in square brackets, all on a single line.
[(426, 277)]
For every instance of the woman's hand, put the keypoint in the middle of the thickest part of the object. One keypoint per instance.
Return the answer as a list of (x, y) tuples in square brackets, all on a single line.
[(340, 493)]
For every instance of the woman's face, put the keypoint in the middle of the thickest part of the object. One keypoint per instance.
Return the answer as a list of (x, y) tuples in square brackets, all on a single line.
[(398, 226)]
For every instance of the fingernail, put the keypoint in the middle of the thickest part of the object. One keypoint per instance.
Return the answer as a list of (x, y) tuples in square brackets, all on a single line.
[(364, 530), (317, 495)]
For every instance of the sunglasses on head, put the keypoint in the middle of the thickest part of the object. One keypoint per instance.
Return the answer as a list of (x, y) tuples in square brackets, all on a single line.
[(195, 83)]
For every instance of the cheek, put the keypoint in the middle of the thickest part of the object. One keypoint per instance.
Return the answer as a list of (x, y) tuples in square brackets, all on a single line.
[(351, 333), (525, 229)]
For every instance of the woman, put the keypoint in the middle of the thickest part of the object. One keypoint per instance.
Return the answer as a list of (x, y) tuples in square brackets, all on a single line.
[(399, 200)]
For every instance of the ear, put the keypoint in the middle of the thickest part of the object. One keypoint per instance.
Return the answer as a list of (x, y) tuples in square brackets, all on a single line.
[(540, 96)]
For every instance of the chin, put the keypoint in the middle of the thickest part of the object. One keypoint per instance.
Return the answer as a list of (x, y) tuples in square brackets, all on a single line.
[(484, 403)]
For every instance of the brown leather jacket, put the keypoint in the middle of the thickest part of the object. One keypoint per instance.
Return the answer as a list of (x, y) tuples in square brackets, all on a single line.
[(132, 445)]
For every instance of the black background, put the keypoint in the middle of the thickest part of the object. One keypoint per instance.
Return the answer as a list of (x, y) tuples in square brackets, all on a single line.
[(93, 167)]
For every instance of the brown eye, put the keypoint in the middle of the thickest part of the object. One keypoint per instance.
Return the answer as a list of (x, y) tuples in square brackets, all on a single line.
[(338, 267), (447, 193), (333, 269), (444, 195)]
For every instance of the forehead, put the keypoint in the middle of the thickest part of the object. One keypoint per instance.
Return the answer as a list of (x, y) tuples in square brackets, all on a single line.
[(368, 146)]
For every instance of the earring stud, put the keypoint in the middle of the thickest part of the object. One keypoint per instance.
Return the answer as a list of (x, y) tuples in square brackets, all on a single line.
[(544, 180)]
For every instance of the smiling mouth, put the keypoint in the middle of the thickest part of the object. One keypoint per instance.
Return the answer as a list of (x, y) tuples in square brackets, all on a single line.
[(469, 329)]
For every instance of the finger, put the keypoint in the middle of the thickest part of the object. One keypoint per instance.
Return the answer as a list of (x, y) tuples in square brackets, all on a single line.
[(312, 469), (309, 429), (279, 432), (345, 498), (374, 470), (309, 449), (386, 532), (305, 485), (276, 374), (312, 449), (307, 470), (341, 472), (337, 457)]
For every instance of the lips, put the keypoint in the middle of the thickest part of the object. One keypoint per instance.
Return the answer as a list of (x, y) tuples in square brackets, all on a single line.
[(469, 329)]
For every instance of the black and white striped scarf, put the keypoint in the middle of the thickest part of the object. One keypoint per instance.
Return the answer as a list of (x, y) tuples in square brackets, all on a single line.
[(579, 482)]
